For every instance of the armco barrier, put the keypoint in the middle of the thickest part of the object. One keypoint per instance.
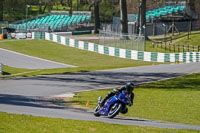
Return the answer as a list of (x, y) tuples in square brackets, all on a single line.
[(186, 57), (38, 35)]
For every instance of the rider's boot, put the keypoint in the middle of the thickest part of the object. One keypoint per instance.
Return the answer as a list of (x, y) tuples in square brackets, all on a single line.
[(101, 104)]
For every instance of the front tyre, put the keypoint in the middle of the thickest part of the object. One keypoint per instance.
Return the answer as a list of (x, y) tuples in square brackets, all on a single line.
[(114, 110), (124, 110), (96, 111)]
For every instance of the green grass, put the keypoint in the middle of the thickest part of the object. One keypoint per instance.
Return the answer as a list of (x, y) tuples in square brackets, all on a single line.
[(174, 100), (178, 39), (86, 61), (128, 45), (181, 39), (12, 70), (23, 123), (194, 40), (87, 35), (15, 72), (176, 36), (150, 48)]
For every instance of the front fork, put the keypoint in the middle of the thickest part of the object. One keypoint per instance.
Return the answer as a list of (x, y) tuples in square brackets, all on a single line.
[(99, 100)]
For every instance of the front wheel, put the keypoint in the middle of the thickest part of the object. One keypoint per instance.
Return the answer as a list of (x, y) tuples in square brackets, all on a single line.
[(114, 110), (96, 111)]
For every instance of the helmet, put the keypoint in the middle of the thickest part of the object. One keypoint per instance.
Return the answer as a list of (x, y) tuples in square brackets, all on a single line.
[(130, 87)]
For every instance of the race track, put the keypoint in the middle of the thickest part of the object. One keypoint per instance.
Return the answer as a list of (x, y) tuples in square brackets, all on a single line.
[(19, 60), (27, 95)]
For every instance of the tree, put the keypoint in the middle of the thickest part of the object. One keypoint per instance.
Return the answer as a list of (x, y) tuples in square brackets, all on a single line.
[(46, 4), (96, 14), (108, 10), (191, 4), (15, 10), (142, 17), (62, 3), (71, 6), (76, 5), (1, 10), (83, 2), (123, 16)]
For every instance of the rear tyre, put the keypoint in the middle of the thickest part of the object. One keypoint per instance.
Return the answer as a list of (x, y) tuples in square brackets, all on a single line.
[(114, 110), (96, 111)]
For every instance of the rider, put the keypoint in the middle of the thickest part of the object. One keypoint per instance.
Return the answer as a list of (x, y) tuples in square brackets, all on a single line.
[(129, 87)]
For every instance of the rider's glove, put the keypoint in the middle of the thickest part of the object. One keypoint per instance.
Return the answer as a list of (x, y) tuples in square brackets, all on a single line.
[(116, 91)]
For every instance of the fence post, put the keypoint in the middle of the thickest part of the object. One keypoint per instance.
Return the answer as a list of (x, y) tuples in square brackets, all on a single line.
[(178, 48), (183, 48), (171, 40), (174, 47), (1, 68)]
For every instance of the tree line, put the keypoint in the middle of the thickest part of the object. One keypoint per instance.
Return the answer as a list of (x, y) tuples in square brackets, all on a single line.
[(103, 9), (13, 10)]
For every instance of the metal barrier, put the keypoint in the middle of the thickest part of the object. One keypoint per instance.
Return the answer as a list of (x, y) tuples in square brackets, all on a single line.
[(125, 41)]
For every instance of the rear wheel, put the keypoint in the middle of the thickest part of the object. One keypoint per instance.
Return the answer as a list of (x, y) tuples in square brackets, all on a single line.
[(114, 110), (96, 111)]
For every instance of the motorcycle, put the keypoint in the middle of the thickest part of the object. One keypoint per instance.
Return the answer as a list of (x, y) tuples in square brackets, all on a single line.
[(114, 105)]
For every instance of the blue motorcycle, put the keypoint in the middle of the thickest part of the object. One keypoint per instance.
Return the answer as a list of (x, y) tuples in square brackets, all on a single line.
[(113, 106)]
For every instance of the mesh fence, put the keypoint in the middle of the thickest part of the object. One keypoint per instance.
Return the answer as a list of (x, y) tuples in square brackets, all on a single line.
[(116, 28), (125, 41)]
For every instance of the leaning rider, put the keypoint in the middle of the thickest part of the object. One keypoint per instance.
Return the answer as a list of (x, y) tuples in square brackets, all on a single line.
[(129, 87)]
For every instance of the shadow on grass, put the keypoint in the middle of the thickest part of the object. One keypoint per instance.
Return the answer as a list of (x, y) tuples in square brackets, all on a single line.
[(6, 73)]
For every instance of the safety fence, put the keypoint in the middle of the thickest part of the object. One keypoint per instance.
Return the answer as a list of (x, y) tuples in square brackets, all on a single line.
[(119, 40), (176, 47), (186, 57)]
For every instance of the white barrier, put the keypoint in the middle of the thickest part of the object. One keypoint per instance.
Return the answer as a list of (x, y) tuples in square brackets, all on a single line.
[(186, 57)]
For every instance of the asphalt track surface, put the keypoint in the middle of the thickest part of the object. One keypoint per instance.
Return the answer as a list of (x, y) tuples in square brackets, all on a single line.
[(29, 95), (19, 60)]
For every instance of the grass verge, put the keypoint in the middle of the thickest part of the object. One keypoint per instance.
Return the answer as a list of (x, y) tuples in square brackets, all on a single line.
[(178, 39), (7, 70), (194, 40), (174, 100), (86, 61), (23, 123)]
